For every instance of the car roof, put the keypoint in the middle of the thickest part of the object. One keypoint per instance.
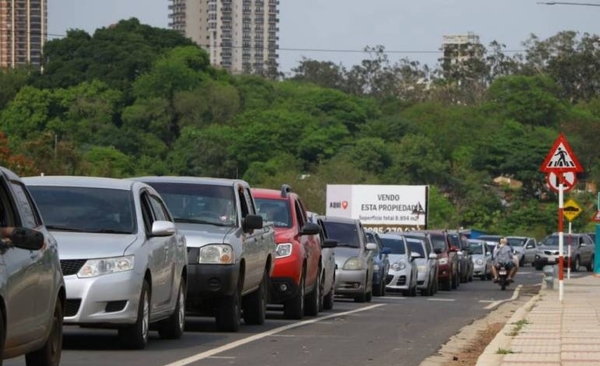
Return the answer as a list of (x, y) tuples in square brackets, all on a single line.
[(79, 181), (392, 236), (342, 220), (190, 180), (271, 193), (9, 173)]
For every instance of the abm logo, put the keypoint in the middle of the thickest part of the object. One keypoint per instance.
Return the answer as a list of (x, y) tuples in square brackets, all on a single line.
[(342, 205)]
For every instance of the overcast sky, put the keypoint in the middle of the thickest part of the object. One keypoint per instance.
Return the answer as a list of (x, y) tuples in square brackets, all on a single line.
[(399, 25)]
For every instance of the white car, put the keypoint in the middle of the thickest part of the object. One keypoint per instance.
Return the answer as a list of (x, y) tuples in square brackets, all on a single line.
[(123, 260), (327, 263), (427, 264), (403, 274)]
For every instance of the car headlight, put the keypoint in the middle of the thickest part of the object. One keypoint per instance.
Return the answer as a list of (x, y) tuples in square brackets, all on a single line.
[(443, 260), (398, 266), (353, 264), (422, 268), (283, 250), (104, 266), (376, 267), (479, 262), (216, 254)]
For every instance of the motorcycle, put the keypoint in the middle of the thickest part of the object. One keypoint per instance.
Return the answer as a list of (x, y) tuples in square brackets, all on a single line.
[(502, 276)]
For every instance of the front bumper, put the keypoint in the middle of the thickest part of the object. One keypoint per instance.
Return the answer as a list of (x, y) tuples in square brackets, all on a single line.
[(350, 282), (445, 271), (106, 300), (479, 269), (398, 280), (545, 259)]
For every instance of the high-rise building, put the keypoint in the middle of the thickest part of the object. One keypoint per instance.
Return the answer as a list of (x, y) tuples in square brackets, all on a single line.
[(459, 48), (23, 32), (240, 35)]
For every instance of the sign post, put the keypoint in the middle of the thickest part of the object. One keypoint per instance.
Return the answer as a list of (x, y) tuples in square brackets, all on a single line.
[(561, 163), (571, 211)]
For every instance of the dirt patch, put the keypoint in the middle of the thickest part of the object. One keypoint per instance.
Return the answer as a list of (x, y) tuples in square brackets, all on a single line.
[(470, 353)]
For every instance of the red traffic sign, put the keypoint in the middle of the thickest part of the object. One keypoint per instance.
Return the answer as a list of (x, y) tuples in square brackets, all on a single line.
[(561, 158), (569, 180), (596, 217)]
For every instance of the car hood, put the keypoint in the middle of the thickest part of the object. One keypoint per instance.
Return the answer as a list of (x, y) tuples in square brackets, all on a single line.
[(284, 235), (548, 247), (89, 245), (198, 235), (342, 254), (397, 258)]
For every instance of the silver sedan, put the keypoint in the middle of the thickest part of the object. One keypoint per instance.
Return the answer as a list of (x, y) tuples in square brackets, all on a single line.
[(122, 258)]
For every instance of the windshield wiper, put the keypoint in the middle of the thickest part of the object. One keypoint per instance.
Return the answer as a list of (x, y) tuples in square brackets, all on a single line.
[(112, 231), (196, 221), (64, 228)]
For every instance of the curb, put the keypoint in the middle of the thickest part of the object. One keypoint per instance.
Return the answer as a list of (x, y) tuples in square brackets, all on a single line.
[(503, 340)]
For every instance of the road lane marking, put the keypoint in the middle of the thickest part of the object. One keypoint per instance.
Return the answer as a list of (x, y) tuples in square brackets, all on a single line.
[(256, 337), (441, 299), (486, 301), (499, 302)]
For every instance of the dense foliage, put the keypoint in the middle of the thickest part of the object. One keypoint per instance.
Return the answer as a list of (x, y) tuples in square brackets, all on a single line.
[(135, 100)]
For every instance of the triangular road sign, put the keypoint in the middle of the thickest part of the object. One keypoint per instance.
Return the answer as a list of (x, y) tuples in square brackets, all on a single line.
[(561, 158)]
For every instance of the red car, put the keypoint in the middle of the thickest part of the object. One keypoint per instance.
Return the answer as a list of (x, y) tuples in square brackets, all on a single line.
[(296, 278)]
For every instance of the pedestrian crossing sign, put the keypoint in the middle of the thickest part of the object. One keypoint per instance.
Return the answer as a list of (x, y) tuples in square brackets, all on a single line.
[(561, 158)]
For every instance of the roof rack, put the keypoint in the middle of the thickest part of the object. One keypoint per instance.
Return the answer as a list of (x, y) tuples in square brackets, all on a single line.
[(285, 189)]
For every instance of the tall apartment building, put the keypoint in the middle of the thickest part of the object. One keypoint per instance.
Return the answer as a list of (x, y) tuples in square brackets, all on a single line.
[(240, 35), (459, 47), (23, 32)]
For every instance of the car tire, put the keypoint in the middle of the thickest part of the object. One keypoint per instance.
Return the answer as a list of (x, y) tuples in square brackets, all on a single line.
[(522, 262), (229, 313), (329, 300), (447, 285), (455, 281), (383, 290), (538, 267), (322, 299), (135, 336), (294, 307), (590, 267), (311, 306), (255, 304), (49, 354), (575, 267), (174, 326)]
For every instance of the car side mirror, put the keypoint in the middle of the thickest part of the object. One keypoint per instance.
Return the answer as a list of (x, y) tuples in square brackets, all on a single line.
[(310, 228), (433, 256), (25, 238), (437, 251), (329, 243), (415, 255), (371, 246), (583, 245), (163, 228), (530, 246), (386, 251), (252, 222)]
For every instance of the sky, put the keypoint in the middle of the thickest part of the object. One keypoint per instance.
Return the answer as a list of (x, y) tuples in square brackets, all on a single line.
[(407, 28)]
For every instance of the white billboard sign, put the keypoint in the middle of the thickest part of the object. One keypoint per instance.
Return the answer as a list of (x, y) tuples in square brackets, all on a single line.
[(380, 205)]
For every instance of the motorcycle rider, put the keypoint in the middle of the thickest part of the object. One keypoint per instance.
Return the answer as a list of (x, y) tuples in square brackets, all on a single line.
[(504, 254)]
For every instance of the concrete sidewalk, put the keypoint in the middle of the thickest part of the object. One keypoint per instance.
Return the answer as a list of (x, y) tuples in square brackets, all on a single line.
[(546, 332)]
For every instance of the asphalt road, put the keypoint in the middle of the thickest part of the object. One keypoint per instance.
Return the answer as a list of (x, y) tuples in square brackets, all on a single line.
[(384, 332)]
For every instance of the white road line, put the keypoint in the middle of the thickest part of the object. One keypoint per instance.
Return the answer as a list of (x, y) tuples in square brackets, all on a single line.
[(256, 337), (486, 301), (499, 302), (441, 299)]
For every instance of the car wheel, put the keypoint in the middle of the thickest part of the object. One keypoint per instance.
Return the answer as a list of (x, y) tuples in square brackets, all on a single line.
[(383, 291), (173, 327), (576, 266), (229, 313), (135, 336), (49, 354), (294, 307), (311, 307), (455, 281), (377, 291), (255, 304), (522, 262), (590, 267), (328, 300), (322, 298)]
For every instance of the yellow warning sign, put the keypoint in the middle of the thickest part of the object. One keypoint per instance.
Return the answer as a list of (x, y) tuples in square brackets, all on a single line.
[(571, 210)]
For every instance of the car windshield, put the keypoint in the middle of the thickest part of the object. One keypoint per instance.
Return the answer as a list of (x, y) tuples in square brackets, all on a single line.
[(395, 244), (84, 209), (346, 234), (275, 210), (551, 240), (416, 246), (199, 203), (476, 247), (438, 241), (516, 242)]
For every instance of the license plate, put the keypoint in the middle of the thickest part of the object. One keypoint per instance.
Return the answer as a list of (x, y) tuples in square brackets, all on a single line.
[(502, 272)]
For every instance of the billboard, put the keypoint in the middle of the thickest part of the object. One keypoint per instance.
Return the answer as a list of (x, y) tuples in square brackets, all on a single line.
[(380, 207)]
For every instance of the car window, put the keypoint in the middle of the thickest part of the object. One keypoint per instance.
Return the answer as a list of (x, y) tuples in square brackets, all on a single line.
[(8, 217), (275, 210), (201, 203), (31, 218), (146, 212), (476, 247), (86, 209), (159, 213), (416, 246), (439, 241), (397, 245), (346, 234), (516, 242)]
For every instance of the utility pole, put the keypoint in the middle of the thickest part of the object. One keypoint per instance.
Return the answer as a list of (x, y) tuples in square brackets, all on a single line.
[(566, 3)]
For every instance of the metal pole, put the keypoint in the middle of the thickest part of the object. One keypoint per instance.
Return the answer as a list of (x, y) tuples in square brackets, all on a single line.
[(561, 243), (569, 253)]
